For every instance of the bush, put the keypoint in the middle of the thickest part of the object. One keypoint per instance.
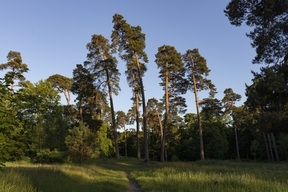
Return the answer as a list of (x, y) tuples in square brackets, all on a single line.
[(47, 156), (82, 144)]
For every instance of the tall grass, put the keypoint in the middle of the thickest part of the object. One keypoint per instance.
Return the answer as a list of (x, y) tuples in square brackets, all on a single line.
[(217, 176), (111, 175), (11, 181), (58, 178)]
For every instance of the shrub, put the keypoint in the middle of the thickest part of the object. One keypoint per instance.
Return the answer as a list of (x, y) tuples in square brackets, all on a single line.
[(47, 156), (82, 144)]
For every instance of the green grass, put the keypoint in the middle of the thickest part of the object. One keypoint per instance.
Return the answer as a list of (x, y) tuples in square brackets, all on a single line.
[(215, 176), (58, 178), (110, 175)]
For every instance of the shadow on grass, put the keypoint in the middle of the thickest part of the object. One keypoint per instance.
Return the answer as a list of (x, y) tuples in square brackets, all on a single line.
[(126, 165), (53, 180)]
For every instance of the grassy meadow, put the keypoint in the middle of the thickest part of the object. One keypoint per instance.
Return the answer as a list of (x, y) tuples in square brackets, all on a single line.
[(112, 175)]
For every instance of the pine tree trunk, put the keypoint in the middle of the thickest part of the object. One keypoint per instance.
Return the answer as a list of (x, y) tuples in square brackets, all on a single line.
[(161, 131), (137, 117), (202, 154), (166, 116), (137, 126), (270, 147), (114, 128), (267, 148), (237, 144), (125, 138), (146, 144), (67, 96), (275, 147)]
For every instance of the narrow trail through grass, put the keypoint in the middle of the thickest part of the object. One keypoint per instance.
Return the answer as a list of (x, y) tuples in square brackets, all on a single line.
[(133, 185), (122, 175)]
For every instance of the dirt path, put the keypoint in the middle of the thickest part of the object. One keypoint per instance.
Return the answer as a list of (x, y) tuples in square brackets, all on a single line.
[(133, 185)]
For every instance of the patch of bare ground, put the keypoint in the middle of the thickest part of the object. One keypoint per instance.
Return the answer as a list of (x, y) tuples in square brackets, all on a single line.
[(133, 185)]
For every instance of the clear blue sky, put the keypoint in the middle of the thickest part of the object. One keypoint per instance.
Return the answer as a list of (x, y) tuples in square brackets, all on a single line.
[(51, 36)]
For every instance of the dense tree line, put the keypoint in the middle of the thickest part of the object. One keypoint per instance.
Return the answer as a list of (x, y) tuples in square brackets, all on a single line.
[(34, 124)]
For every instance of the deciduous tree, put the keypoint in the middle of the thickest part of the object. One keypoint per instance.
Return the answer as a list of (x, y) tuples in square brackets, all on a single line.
[(38, 107)]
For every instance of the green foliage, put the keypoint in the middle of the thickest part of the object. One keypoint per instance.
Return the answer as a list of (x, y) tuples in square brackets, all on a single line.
[(82, 144), (196, 69), (41, 115), (229, 100), (172, 75), (91, 102), (105, 143), (254, 148), (62, 84), (130, 43), (15, 68), (283, 145), (268, 18), (267, 98), (103, 67), (11, 145), (215, 139), (102, 64), (129, 39), (48, 156)]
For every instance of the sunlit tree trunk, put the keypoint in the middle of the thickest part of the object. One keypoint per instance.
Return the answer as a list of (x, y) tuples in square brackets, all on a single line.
[(115, 134), (137, 116), (202, 155), (166, 114), (137, 125), (146, 144), (125, 138)]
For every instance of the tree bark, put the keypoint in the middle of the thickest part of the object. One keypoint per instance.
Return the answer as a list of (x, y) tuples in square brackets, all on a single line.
[(125, 138), (137, 126), (146, 144), (275, 147), (114, 128), (161, 129), (267, 148), (137, 117), (270, 147), (202, 154), (166, 115), (67, 96), (237, 144)]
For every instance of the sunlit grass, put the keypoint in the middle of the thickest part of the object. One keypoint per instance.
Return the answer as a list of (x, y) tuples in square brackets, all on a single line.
[(110, 175), (49, 178), (11, 181), (218, 176)]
